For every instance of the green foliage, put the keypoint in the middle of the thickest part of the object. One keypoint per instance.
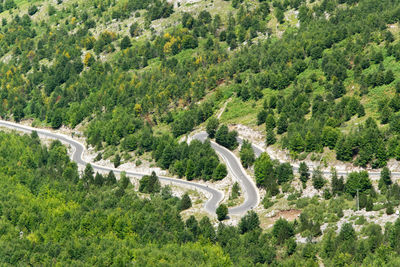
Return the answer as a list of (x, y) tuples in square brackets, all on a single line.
[(303, 170), (235, 191), (263, 171), (222, 212), (149, 184), (318, 179), (385, 179), (212, 126), (220, 172), (185, 202), (247, 156), (357, 181), (282, 230), (267, 203), (249, 222), (226, 138)]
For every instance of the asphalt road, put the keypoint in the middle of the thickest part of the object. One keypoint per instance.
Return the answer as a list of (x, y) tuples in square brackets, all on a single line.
[(235, 168), (210, 206)]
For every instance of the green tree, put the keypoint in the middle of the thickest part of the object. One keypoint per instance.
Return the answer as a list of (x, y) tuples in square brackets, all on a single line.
[(226, 138), (304, 173), (291, 246), (124, 180), (235, 191), (111, 179), (282, 125), (264, 174), (190, 170), (247, 156), (270, 122), (385, 179), (220, 172), (261, 117), (284, 173), (317, 179), (330, 136), (185, 202), (125, 43), (270, 139), (206, 229), (117, 160), (357, 181), (282, 230), (212, 126), (249, 222), (98, 179), (149, 184), (344, 150), (222, 212), (88, 173), (134, 29), (57, 119), (337, 183)]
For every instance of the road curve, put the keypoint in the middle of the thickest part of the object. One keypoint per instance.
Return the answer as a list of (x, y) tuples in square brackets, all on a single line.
[(235, 168), (210, 206)]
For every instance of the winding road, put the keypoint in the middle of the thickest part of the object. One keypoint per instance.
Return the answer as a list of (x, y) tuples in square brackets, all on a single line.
[(236, 170), (251, 196), (216, 196)]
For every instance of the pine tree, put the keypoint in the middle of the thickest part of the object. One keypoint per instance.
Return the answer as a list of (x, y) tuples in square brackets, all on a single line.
[(270, 122), (247, 156), (337, 184), (270, 139), (282, 125), (385, 179), (249, 222), (117, 160), (88, 177), (98, 179), (304, 173), (111, 178), (124, 180), (125, 43), (185, 202)]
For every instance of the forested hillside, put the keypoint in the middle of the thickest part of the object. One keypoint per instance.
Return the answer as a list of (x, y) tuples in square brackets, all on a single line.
[(50, 216), (314, 70), (319, 79)]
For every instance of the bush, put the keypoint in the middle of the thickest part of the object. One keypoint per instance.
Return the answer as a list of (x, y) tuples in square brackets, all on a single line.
[(267, 203), (222, 211)]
